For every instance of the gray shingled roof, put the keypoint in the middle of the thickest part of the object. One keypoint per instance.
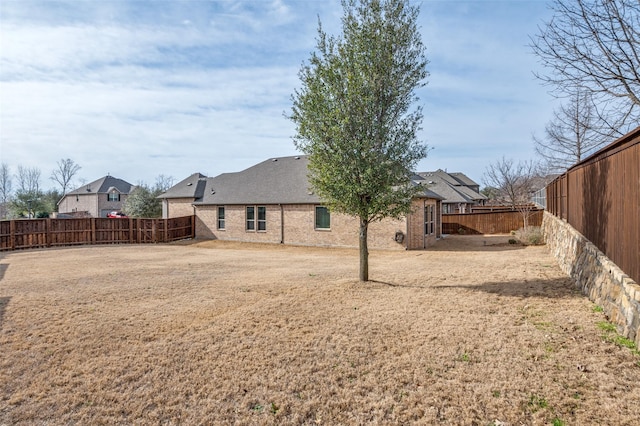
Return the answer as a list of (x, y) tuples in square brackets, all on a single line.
[(466, 180), (452, 187), (191, 187), (103, 186), (280, 180)]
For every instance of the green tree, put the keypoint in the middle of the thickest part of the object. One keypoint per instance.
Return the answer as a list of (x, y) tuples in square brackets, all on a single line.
[(50, 201), (143, 201), (27, 204), (355, 115)]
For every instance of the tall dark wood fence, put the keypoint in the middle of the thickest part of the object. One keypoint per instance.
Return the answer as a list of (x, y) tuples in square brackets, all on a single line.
[(502, 222), (34, 233), (600, 198)]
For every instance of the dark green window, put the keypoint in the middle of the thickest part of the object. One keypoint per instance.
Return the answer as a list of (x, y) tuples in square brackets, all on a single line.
[(323, 218)]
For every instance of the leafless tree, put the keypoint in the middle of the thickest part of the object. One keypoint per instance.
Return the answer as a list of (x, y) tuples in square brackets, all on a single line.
[(572, 134), (28, 179), (163, 183), (5, 189), (65, 172), (514, 183), (594, 46)]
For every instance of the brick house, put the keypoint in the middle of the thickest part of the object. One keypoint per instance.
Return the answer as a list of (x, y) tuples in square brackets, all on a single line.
[(272, 202), (97, 198), (459, 192)]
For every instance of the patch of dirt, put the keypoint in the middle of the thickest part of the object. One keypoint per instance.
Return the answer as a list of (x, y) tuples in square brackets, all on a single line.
[(473, 331)]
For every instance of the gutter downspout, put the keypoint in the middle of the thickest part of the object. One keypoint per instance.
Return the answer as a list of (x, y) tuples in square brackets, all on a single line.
[(281, 223)]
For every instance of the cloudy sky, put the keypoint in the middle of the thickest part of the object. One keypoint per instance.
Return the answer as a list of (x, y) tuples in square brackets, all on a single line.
[(138, 88)]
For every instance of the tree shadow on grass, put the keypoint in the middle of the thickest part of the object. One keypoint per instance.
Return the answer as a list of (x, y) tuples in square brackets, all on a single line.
[(396, 285), (557, 288), (4, 301), (486, 243), (3, 269)]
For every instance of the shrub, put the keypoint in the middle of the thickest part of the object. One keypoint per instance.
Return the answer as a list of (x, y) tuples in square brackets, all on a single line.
[(532, 236)]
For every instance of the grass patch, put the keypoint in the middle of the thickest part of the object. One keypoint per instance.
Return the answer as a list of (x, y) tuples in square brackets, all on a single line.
[(536, 403), (610, 334), (607, 327)]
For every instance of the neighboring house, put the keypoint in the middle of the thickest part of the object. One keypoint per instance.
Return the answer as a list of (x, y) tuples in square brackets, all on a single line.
[(272, 202), (178, 200), (458, 191), (97, 198)]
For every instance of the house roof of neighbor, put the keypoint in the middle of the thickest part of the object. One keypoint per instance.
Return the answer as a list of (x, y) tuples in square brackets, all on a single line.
[(453, 187), (104, 185)]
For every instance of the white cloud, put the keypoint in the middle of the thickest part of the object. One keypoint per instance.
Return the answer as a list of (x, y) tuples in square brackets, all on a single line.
[(138, 91)]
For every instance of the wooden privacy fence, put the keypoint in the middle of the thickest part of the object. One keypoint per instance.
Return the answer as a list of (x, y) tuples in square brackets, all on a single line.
[(34, 233), (600, 198), (488, 222)]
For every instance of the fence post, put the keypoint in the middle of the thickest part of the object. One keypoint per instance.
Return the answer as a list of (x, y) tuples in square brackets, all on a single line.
[(47, 230), (12, 235), (165, 222)]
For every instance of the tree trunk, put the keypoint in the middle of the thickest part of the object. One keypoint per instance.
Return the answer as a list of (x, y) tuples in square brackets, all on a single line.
[(364, 251)]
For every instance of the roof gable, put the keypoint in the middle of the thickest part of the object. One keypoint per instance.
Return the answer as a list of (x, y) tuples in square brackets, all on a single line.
[(191, 187), (453, 187), (280, 180), (104, 185)]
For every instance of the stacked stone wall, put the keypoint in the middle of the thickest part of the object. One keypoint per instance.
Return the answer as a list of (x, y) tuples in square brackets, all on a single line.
[(599, 278)]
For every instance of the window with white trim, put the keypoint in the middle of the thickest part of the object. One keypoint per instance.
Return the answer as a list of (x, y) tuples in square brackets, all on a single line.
[(221, 222), (256, 218), (262, 218), (251, 218), (113, 196)]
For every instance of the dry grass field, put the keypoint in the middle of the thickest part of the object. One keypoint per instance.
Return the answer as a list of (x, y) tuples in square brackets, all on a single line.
[(473, 332)]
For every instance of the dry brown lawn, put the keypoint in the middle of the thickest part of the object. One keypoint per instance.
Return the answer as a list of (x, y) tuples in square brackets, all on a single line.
[(473, 332)]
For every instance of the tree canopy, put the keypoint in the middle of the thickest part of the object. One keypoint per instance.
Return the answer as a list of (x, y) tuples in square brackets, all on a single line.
[(143, 201), (355, 113)]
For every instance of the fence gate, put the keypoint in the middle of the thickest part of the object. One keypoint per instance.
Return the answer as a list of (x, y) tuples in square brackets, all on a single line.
[(147, 230)]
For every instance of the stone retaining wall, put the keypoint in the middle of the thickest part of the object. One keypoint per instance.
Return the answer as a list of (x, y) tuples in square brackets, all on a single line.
[(598, 277)]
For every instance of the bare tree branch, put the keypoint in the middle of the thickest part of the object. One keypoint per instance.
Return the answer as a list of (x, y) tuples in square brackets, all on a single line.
[(65, 172), (514, 183), (28, 179), (593, 46), (574, 132)]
